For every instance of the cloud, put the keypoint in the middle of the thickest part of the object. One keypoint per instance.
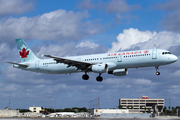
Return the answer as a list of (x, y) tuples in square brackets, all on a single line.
[(171, 18), (162, 40), (171, 21), (176, 74), (112, 6), (11, 7), (132, 38), (120, 6), (70, 49), (57, 25), (86, 4), (87, 44), (169, 5)]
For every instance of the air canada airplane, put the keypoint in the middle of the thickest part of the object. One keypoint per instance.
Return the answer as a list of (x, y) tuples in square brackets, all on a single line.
[(116, 63)]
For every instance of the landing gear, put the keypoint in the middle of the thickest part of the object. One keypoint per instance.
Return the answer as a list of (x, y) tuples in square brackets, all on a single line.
[(157, 72), (99, 78), (85, 77)]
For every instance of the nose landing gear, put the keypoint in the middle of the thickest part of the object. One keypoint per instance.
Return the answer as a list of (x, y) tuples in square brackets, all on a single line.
[(157, 72)]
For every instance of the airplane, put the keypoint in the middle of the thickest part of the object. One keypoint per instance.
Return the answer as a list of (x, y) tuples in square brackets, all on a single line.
[(116, 63)]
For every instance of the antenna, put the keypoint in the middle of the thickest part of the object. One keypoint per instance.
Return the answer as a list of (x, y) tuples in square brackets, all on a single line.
[(9, 104)]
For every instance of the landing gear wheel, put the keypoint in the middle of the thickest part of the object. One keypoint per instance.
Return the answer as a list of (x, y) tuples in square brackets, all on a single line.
[(99, 79), (157, 73), (85, 77)]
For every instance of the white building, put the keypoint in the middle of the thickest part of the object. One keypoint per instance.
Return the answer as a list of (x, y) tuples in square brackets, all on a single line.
[(143, 104), (35, 109), (98, 112)]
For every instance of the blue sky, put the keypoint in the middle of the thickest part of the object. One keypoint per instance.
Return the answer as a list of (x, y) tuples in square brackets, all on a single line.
[(78, 27)]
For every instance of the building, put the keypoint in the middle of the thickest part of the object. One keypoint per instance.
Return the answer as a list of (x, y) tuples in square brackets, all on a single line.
[(143, 104), (98, 112), (118, 113), (8, 113), (35, 109)]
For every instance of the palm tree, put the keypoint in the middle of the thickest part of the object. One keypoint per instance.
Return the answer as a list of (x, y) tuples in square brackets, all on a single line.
[(145, 109)]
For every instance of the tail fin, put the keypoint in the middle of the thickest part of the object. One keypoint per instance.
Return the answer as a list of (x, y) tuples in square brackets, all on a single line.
[(25, 52)]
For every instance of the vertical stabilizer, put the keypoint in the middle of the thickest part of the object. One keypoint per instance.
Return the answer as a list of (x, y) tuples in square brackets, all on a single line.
[(24, 51)]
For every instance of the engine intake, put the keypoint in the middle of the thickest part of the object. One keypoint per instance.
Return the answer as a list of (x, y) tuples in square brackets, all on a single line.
[(99, 68)]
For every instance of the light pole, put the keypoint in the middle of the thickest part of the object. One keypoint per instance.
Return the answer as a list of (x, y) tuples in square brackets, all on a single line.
[(51, 103)]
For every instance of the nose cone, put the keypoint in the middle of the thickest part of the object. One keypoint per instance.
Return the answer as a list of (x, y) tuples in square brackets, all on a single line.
[(174, 58)]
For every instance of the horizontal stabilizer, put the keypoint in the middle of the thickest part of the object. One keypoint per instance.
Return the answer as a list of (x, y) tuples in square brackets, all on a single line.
[(22, 65)]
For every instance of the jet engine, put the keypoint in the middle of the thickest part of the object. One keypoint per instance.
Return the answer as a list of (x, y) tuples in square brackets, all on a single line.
[(119, 72), (99, 68)]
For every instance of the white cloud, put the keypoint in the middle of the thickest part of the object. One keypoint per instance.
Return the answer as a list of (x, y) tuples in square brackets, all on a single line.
[(131, 37), (163, 40), (56, 25), (87, 44), (9, 7), (143, 82)]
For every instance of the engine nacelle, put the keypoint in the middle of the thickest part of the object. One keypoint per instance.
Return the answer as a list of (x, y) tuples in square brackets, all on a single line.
[(99, 68), (119, 72)]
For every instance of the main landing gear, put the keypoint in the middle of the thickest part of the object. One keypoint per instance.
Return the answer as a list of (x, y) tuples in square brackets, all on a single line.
[(98, 78), (157, 72), (85, 77)]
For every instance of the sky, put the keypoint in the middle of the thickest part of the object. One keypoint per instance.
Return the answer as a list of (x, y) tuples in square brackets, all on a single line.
[(79, 27)]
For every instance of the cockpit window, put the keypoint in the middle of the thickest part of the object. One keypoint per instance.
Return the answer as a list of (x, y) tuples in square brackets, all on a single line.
[(163, 53)]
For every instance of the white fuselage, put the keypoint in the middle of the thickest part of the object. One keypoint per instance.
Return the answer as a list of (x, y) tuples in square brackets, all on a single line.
[(116, 60)]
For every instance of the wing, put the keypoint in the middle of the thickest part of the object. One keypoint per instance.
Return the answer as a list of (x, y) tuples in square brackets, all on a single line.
[(23, 65), (81, 65)]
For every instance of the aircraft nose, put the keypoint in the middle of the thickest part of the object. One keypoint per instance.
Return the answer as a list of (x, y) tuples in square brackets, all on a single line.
[(174, 58)]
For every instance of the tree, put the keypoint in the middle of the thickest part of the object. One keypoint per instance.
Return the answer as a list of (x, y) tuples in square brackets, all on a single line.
[(127, 107), (24, 110), (120, 106), (58, 110), (68, 110), (164, 109), (145, 109)]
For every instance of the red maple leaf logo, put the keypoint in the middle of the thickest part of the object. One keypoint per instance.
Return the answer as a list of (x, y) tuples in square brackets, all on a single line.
[(24, 54)]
